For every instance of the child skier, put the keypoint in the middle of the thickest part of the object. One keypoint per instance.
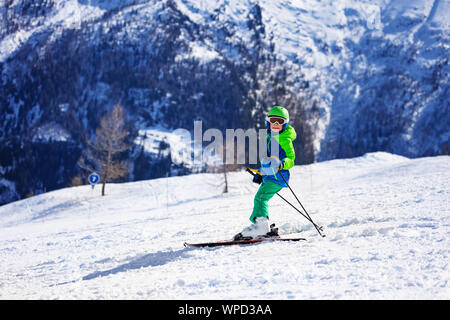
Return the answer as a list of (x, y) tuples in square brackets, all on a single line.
[(280, 158)]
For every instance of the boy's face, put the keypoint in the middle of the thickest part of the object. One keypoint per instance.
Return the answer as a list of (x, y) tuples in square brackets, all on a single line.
[(275, 127)]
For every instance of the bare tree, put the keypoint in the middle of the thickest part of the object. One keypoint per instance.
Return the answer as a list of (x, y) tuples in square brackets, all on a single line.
[(221, 165), (102, 154)]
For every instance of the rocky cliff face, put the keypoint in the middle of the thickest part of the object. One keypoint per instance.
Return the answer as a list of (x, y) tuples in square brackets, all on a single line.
[(356, 76)]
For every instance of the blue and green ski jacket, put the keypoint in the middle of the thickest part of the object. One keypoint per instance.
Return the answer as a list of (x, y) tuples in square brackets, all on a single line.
[(286, 153)]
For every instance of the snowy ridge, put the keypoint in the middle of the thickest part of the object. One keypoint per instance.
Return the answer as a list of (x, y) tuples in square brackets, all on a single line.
[(361, 76), (66, 14), (339, 44), (386, 217)]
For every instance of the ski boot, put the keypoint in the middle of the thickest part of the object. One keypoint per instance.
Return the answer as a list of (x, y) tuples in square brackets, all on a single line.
[(273, 233), (260, 229)]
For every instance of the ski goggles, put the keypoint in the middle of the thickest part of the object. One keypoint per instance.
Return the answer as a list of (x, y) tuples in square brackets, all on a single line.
[(278, 120)]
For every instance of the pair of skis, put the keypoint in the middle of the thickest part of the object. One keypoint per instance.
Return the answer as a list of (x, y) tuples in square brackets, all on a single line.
[(239, 242)]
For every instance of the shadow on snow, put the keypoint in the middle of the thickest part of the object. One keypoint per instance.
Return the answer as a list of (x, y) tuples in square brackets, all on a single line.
[(149, 260)]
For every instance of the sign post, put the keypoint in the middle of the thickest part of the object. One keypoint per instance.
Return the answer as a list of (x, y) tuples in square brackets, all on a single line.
[(93, 179)]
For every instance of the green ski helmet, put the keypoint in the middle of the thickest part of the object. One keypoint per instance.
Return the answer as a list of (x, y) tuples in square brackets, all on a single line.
[(279, 111)]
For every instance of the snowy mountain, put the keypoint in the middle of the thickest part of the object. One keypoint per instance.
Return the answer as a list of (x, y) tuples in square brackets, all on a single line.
[(358, 76), (386, 218)]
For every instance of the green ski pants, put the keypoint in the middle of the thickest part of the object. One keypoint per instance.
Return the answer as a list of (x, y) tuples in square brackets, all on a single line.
[(260, 205)]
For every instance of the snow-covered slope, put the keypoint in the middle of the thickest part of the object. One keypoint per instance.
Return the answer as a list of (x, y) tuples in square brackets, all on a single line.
[(387, 220)]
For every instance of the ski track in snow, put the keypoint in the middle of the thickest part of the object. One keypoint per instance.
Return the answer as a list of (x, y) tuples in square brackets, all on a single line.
[(386, 219)]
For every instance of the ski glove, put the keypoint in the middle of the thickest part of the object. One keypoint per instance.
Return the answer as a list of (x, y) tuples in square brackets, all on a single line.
[(270, 165), (257, 178)]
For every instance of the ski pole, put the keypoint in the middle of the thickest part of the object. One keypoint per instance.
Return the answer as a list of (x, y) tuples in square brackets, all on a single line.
[(306, 217), (253, 172), (318, 228)]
